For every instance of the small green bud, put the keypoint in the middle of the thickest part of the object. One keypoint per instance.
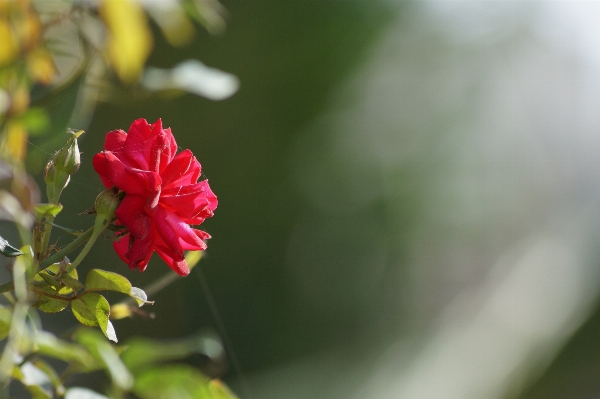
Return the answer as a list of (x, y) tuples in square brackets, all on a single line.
[(60, 168), (107, 203), (67, 159)]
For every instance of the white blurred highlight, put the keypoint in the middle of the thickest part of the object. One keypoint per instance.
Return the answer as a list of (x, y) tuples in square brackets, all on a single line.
[(193, 77)]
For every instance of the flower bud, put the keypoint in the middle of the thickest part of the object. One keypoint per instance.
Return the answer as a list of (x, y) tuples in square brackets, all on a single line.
[(107, 203), (67, 158), (60, 168)]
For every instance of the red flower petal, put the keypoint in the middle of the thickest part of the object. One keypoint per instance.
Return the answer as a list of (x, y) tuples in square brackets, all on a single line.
[(179, 265), (132, 181), (162, 196), (115, 141), (138, 143), (121, 247), (167, 233), (140, 251), (131, 213), (179, 169)]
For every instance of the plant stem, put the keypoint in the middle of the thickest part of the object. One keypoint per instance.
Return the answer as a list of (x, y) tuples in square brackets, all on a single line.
[(48, 221), (57, 257), (100, 225)]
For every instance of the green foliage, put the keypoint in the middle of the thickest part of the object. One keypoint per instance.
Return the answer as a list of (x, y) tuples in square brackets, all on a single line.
[(43, 210), (38, 99), (93, 309), (97, 280), (58, 285), (5, 319), (179, 381), (144, 353)]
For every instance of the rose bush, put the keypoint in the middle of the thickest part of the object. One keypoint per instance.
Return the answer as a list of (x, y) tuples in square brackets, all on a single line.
[(162, 195)]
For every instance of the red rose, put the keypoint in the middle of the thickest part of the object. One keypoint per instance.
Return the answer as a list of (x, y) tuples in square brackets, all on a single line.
[(162, 195)]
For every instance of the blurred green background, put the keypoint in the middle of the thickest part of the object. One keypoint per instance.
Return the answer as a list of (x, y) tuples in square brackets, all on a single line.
[(407, 200)]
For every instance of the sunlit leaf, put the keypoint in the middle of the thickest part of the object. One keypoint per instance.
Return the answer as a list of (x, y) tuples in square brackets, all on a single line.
[(72, 284), (41, 65), (16, 140), (97, 279), (8, 250), (5, 319), (179, 381), (218, 390), (100, 280), (120, 311), (42, 210), (130, 40), (176, 381), (51, 281), (93, 310), (52, 270), (49, 305), (10, 44)]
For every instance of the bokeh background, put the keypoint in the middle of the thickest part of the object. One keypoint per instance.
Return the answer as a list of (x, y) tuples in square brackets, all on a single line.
[(408, 199)]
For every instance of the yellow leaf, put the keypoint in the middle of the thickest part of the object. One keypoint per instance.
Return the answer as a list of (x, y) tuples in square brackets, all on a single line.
[(173, 22), (16, 141), (9, 47), (130, 39), (120, 311), (41, 66)]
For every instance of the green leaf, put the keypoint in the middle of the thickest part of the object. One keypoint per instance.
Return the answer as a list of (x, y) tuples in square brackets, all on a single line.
[(107, 355), (176, 381), (179, 381), (74, 232), (50, 280), (218, 390), (143, 353), (99, 280), (42, 210), (5, 319), (49, 305), (49, 345), (71, 283), (93, 310), (8, 250), (52, 270)]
